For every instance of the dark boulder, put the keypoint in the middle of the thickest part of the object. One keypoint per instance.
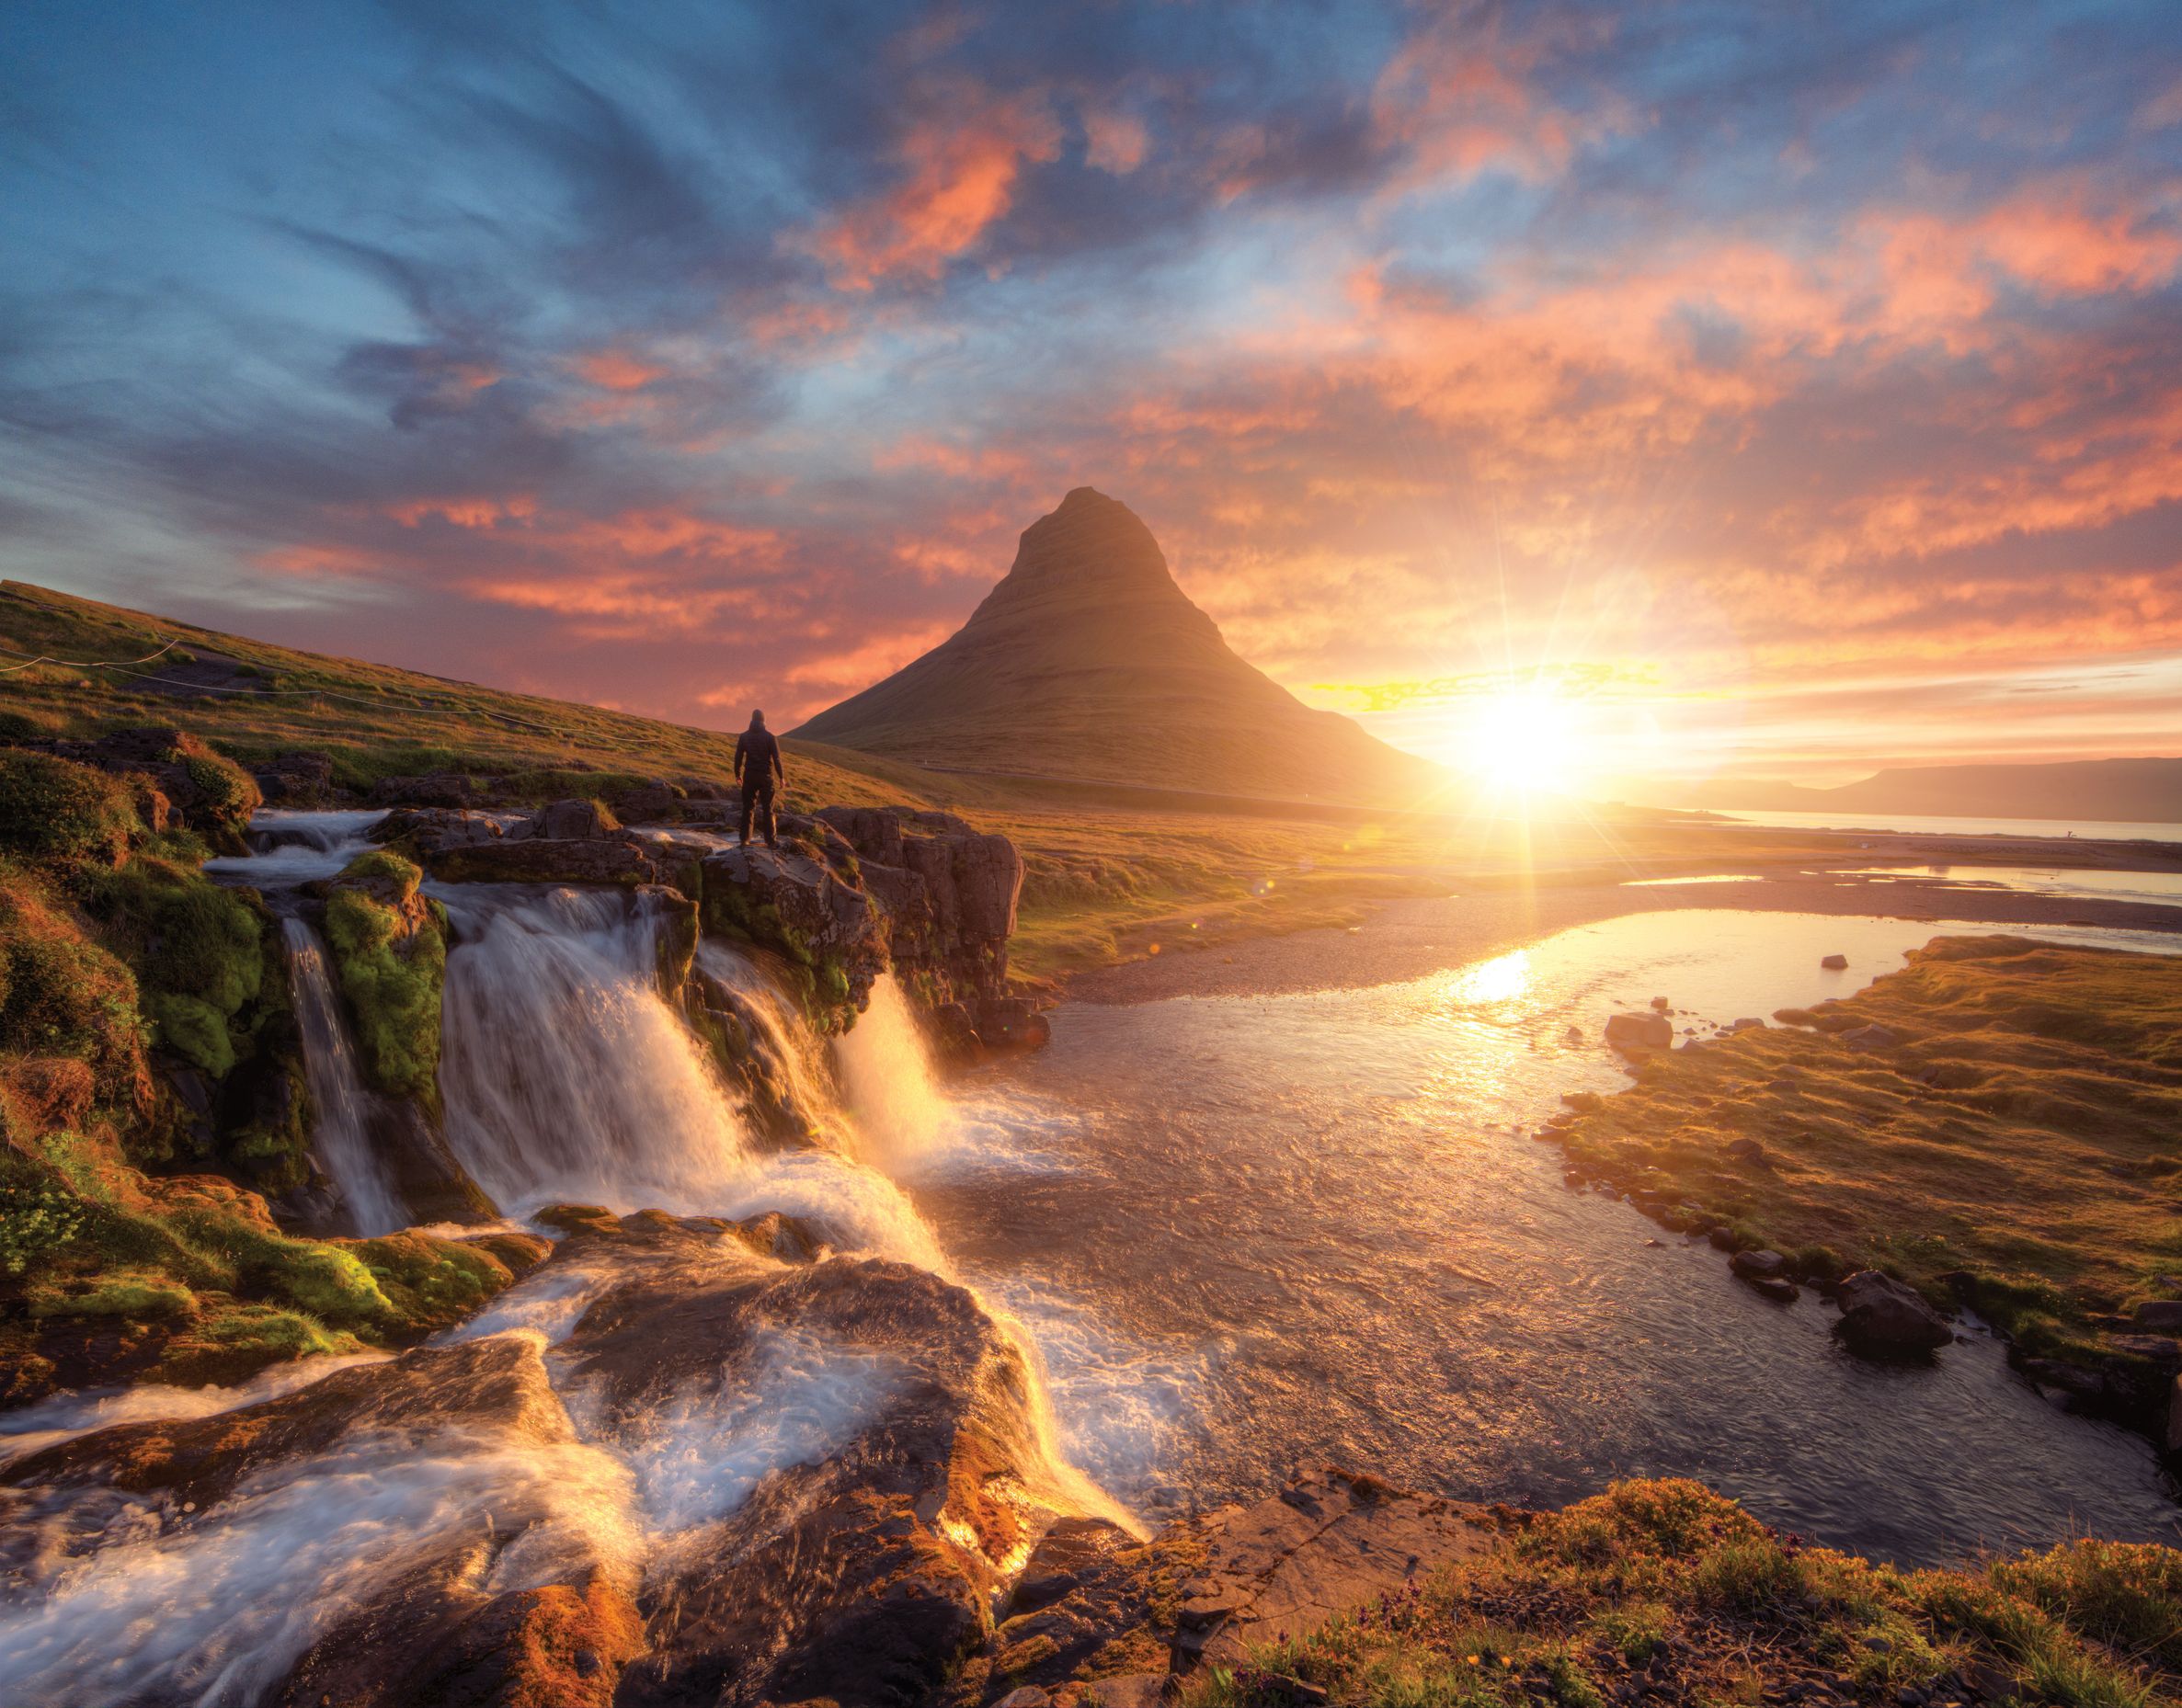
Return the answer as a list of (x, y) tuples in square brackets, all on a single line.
[(1882, 1317), (862, 1563), (573, 820), (296, 780), (537, 860), (654, 801), (808, 908), (422, 831)]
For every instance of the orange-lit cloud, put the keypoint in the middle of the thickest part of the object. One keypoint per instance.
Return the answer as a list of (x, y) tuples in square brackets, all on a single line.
[(617, 370), (958, 175)]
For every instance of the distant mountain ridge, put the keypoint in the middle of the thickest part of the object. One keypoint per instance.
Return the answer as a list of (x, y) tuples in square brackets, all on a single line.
[(2140, 790), (1087, 661)]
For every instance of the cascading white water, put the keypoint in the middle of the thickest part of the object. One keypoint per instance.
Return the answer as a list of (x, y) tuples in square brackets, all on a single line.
[(887, 1080), (565, 1075), (568, 1077), (340, 1133), (291, 849), (796, 1056)]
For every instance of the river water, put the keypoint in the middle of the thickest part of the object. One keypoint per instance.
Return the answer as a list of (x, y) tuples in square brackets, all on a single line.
[(1258, 1233)]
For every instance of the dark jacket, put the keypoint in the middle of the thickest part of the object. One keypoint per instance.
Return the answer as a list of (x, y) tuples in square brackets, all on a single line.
[(759, 751)]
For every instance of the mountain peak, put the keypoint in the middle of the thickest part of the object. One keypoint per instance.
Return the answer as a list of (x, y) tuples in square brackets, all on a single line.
[(1087, 661)]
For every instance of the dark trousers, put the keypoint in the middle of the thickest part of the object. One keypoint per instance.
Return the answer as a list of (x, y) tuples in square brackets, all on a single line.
[(757, 798)]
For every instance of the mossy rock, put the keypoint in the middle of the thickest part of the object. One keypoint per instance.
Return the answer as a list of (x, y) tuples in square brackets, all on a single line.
[(391, 972), (200, 953), (56, 811)]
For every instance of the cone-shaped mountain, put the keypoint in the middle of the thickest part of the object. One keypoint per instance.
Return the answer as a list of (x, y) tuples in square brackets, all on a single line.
[(1087, 661)]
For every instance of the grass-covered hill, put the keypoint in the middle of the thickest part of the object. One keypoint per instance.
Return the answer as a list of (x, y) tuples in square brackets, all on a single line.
[(103, 668)]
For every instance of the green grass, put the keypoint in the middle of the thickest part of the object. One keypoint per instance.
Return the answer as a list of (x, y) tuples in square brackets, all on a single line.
[(1666, 1591), (2019, 1149), (372, 721), (53, 811)]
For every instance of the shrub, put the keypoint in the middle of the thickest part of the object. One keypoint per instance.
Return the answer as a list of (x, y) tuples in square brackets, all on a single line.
[(61, 994), (56, 812), (36, 1217)]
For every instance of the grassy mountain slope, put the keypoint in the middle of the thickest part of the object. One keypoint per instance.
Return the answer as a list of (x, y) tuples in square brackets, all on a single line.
[(255, 699)]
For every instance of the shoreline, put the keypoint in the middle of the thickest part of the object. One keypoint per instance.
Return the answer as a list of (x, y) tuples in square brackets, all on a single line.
[(1410, 938)]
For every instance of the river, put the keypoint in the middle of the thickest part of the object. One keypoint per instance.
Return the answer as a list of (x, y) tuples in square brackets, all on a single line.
[(1255, 1233)]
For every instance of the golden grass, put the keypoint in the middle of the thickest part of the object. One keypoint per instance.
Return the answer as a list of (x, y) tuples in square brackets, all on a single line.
[(1665, 1592), (2018, 1149)]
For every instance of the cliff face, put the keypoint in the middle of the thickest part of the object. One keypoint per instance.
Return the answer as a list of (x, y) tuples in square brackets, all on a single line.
[(1087, 661)]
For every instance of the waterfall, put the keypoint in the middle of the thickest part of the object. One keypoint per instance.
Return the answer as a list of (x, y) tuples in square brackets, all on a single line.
[(564, 1075), (780, 1035), (340, 1136), (892, 1092)]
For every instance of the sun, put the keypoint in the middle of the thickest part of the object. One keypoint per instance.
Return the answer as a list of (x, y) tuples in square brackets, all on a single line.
[(1524, 741)]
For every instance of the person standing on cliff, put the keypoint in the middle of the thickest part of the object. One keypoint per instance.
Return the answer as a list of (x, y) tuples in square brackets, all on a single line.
[(757, 768)]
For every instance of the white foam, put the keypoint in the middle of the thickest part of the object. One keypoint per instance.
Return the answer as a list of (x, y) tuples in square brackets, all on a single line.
[(32, 1429), (215, 1608), (800, 1399)]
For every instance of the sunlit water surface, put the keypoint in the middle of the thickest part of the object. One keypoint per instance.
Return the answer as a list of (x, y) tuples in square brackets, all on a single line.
[(1258, 1233)]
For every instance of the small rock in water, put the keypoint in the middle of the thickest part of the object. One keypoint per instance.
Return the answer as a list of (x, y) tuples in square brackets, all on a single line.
[(1836, 963), (1641, 1031), (1758, 1265), (1660, 1004), (1573, 1035), (1880, 1318), (1748, 1023)]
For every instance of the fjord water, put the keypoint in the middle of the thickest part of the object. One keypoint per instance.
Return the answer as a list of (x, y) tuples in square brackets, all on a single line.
[(1255, 1233)]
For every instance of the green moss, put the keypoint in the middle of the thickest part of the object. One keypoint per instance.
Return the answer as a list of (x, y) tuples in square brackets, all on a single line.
[(384, 866), (330, 1282), (194, 1031), (55, 811), (139, 1296), (200, 953), (392, 985), (277, 1335)]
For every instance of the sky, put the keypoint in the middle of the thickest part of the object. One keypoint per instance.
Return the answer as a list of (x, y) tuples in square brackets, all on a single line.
[(1784, 390)]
